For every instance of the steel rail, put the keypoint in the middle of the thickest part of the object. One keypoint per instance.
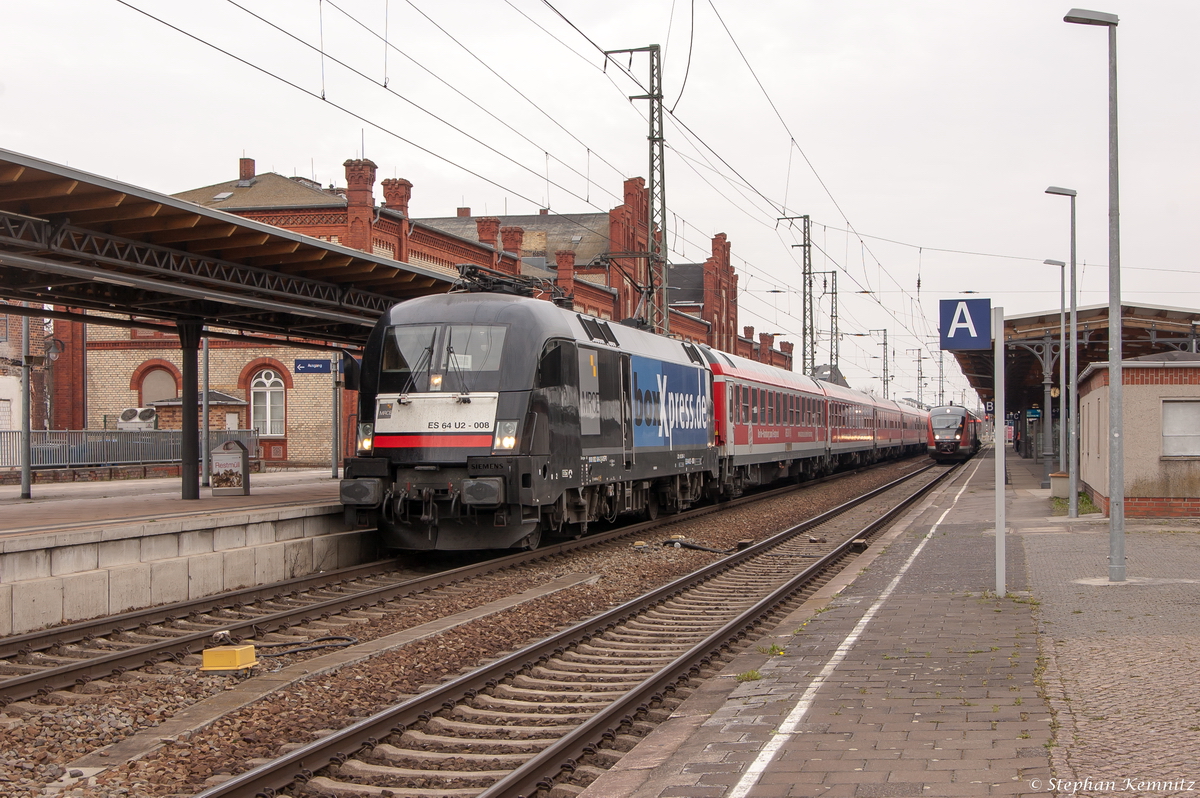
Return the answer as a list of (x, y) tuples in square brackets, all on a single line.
[(337, 747)]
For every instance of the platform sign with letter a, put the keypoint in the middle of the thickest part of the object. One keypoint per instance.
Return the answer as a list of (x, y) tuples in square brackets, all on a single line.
[(966, 323)]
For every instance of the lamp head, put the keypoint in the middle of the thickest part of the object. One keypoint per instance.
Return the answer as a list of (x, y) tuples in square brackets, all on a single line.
[(1081, 16), (1062, 192), (1054, 263)]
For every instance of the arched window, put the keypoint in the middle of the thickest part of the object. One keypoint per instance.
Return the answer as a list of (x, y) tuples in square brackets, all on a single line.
[(266, 402), (158, 384)]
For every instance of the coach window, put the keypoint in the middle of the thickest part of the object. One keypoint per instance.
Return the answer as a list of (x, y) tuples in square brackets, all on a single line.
[(266, 403), (745, 404)]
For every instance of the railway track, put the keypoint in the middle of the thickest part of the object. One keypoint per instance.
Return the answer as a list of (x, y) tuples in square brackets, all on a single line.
[(65, 657), (554, 715)]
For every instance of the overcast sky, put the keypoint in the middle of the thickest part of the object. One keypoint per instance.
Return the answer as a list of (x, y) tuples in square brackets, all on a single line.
[(930, 128)]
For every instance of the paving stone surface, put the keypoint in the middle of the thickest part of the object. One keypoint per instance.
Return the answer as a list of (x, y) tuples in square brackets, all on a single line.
[(1124, 659)]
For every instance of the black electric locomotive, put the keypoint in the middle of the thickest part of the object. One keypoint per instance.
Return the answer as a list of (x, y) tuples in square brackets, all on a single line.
[(486, 419), (953, 433)]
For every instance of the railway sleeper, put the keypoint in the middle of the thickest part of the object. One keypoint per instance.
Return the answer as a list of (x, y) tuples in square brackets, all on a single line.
[(610, 667), (664, 626), (687, 609), (601, 680), (585, 774), (419, 741), (648, 637), (601, 659), (493, 703), (507, 717), (625, 742), (544, 707), (610, 645), (323, 787), (357, 769), (17, 669), (457, 728), (535, 694), (399, 757), (611, 691)]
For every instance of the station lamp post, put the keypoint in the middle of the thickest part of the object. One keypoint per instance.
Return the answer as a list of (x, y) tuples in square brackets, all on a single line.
[(1062, 360), (1073, 404), (1116, 443)]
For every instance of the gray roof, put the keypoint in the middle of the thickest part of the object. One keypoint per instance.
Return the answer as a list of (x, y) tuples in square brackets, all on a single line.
[(1169, 357), (214, 398), (585, 234), (686, 281), (268, 190)]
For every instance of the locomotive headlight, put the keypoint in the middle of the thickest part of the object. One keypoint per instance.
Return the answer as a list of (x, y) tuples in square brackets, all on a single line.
[(435, 382), (506, 435), (366, 438)]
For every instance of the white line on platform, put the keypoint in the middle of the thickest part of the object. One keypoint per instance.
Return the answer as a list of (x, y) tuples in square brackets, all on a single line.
[(794, 718)]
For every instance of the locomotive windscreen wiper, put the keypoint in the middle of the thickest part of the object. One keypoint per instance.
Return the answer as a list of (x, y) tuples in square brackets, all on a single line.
[(453, 364), (422, 362)]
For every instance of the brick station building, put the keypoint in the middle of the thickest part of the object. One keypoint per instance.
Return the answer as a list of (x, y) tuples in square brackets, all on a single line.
[(1161, 421), (105, 370)]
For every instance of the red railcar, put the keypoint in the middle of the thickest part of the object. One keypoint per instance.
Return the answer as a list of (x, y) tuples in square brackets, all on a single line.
[(953, 433)]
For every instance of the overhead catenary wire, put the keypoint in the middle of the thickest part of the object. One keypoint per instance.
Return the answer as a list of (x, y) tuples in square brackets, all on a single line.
[(750, 194), (393, 92), (354, 114)]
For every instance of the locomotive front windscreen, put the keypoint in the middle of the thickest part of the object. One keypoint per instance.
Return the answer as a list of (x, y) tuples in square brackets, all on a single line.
[(442, 357), (947, 427)]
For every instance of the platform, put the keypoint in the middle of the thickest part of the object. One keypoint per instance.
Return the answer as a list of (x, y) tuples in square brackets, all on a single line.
[(68, 505), (910, 677), (80, 550)]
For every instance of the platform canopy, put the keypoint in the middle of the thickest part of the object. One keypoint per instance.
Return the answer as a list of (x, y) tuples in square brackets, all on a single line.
[(1146, 329), (77, 240)]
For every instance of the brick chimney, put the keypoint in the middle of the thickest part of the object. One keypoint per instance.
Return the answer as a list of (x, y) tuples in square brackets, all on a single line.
[(766, 340), (748, 332), (488, 227), (396, 194), (513, 237), (360, 203), (245, 169), (464, 213), (565, 260)]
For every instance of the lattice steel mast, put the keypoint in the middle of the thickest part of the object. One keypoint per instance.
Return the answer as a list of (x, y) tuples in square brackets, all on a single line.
[(808, 335), (657, 306)]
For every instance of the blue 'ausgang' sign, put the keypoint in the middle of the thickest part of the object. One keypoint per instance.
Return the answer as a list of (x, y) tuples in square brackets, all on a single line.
[(305, 366), (966, 323)]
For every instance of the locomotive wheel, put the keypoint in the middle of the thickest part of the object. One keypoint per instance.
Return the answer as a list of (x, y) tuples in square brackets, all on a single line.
[(531, 541), (652, 507)]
